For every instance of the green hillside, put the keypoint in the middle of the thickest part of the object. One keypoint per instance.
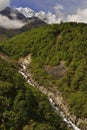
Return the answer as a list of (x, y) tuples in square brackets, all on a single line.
[(50, 46), (3, 37), (23, 107), (6, 33)]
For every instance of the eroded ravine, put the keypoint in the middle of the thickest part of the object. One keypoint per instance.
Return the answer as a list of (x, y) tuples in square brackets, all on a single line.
[(54, 99)]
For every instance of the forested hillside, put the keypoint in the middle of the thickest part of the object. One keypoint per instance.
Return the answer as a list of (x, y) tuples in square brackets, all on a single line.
[(6, 33), (23, 107), (50, 46)]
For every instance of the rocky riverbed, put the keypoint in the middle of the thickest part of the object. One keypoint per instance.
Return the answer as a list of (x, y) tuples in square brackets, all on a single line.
[(55, 98)]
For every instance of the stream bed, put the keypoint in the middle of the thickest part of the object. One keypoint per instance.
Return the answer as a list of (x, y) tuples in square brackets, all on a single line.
[(24, 73)]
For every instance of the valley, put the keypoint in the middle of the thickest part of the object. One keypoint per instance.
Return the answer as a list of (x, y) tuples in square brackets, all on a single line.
[(52, 59)]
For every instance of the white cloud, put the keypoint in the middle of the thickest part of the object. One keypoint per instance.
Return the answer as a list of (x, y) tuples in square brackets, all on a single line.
[(7, 23), (59, 12), (4, 3), (26, 12), (79, 16), (58, 7), (49, 17)]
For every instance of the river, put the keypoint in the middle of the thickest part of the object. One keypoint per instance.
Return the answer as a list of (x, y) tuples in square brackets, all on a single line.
[(31, 82)]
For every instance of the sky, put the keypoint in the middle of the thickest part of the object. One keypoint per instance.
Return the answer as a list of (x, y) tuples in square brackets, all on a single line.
[(70, 6), (54, 11)]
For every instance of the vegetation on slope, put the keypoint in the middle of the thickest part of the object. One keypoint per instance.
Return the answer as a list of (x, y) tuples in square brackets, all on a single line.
[(6, 33), (3, 37), (23, 107), (49, 45)]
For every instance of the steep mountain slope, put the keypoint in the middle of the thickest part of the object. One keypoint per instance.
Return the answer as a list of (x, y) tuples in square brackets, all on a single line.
[(51, 47), (27, 12), (3, 37), (34, 23), (13, 15), (21, 106)]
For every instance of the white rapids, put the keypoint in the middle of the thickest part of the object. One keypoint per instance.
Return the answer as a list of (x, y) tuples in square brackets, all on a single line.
[(63, 115), (31, 82)]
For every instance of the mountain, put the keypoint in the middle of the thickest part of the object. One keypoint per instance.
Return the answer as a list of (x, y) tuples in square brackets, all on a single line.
[(22, 14), (12, 14), (12, 17), (33, 23), (27, 12), (59, 60), (58, 64), (48, 17)]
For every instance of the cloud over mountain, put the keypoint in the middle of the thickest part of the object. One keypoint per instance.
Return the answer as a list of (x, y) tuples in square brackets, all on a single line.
[(50, 17), (8, 23), (4, 3), (59, 15), (79, 16)]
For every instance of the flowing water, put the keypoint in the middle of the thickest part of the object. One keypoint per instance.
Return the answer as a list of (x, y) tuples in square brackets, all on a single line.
[(69, 122), (63, 115)]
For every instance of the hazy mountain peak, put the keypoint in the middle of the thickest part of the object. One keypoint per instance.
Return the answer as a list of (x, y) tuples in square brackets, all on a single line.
[(47, 17), (27, 12), (11, 18), (12, 13)]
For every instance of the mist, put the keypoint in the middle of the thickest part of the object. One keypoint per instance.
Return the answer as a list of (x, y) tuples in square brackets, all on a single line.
[(10, 24)]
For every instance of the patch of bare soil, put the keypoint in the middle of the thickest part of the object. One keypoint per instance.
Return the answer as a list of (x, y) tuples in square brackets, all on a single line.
[(57, 72), (25, 60)]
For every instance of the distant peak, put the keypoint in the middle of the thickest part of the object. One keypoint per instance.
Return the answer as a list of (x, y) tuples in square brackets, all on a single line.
[(12, 13), (27, 12)]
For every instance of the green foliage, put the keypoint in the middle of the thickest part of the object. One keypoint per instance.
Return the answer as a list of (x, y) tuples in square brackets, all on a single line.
[(78, 103), (44, 127), (23, 107), (3, 37), (49, 45)]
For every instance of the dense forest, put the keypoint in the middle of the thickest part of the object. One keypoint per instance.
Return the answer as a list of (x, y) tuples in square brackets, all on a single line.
[(23, 107), (50, 45)]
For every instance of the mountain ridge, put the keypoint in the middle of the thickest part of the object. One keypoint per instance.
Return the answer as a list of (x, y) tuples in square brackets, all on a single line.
[(28, 23), (13, 13), (27, 12)]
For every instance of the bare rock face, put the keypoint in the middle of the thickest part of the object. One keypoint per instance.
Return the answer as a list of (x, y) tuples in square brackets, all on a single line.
[(25, 60), (57, 72)]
